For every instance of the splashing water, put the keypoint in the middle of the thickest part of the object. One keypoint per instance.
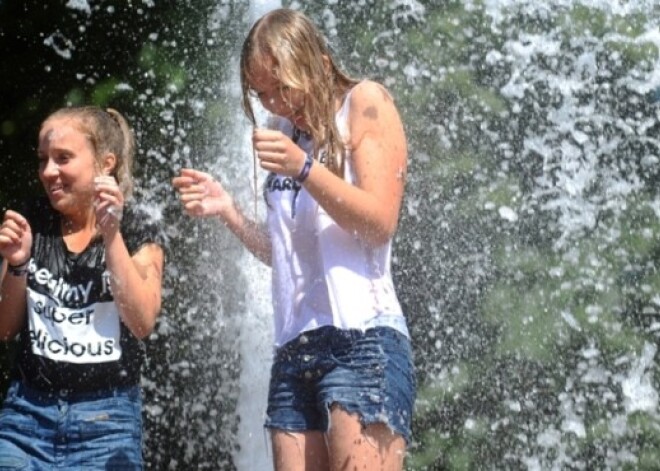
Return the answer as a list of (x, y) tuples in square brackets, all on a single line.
[(255, 339), (536, 154), (527, 254)]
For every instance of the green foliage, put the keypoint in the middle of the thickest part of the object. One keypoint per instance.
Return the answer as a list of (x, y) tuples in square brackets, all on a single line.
[(540, 302), (104, 93), (75, 97)]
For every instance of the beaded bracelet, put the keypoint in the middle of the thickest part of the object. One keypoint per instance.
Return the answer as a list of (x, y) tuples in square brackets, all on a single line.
[(18, 270), (304, 173)]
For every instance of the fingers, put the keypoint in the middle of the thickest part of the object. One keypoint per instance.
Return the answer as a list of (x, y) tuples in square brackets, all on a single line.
[(277, 152), (105, 180), (109, 203), (264, 134), (190, 178), (194, 208), (15, 236), (193, 196), (11, 233), (8, 238), (106, 188), (269, 140), (272, 148), (191, 172), (14, 216), (195, 175), (200, 193), (198, 184), (192, 188), (189, 196), (13, 227), (109, 199)]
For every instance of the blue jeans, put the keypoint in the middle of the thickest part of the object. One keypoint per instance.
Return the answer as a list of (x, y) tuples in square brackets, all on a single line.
[(369, 373), (71, 431)]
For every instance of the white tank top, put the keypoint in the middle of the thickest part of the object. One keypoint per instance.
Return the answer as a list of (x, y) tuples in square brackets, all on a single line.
[(323, 275)]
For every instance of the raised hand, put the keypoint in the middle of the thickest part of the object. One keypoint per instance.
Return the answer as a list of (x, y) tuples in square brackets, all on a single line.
[(108, 204), (202, 195), (15, 238), (277, 152)]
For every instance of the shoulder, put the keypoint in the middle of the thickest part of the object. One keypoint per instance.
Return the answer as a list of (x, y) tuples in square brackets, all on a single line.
[(370, 93), (142, 225), (372, 110), (371, 103)]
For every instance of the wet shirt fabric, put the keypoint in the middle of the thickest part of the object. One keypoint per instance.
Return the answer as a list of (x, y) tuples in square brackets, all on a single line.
[(73, 338), (322, 274)]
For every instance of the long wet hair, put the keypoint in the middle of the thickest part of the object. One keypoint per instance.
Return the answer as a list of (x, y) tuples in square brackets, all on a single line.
[(108, 132), (296, 49)]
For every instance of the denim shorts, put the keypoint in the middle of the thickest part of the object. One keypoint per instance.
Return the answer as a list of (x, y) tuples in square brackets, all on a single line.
[(67, 431), (369, 373)]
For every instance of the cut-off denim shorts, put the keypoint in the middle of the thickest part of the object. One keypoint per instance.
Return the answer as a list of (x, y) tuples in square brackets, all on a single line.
[(66, 431), (369, 373)]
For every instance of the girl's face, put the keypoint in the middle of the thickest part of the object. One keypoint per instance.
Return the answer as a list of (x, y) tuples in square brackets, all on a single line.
[(276, 97), (67, 165)]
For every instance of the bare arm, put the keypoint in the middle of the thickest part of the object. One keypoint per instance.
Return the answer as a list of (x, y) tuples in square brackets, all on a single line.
[(15, 246), (12, 303), (370, 208), (136, 283), (254, 237), (203, 196), (379, 155)]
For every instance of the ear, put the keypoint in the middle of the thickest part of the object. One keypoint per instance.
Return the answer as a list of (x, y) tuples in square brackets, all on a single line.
[(109, 163), (326, 64)]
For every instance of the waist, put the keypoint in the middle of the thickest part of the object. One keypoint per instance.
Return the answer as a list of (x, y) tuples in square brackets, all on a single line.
[(47, 375), (396, 322), (21, 388)]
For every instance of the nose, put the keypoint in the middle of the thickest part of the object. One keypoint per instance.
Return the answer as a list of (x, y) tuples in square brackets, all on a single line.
[(49, 168)]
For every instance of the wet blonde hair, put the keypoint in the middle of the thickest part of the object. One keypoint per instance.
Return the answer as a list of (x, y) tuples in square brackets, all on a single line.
[(108, 132), (293, 45)]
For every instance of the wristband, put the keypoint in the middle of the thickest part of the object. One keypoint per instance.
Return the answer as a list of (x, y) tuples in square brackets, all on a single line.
[(304, 173), (18, 270)]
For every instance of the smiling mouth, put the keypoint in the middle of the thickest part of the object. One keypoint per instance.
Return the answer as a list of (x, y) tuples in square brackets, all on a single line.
[(53, 189)]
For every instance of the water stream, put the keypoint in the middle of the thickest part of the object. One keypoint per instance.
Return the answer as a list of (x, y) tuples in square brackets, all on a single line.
[(526, 258), (255, 332)]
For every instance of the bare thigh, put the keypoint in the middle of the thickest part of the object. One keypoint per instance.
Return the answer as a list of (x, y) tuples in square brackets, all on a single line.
[(347, 446), (299, 451), (374, 448)]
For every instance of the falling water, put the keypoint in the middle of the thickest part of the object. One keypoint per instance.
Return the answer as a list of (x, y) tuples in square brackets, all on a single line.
[(536, 320), (527, 257), (255, 330)]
